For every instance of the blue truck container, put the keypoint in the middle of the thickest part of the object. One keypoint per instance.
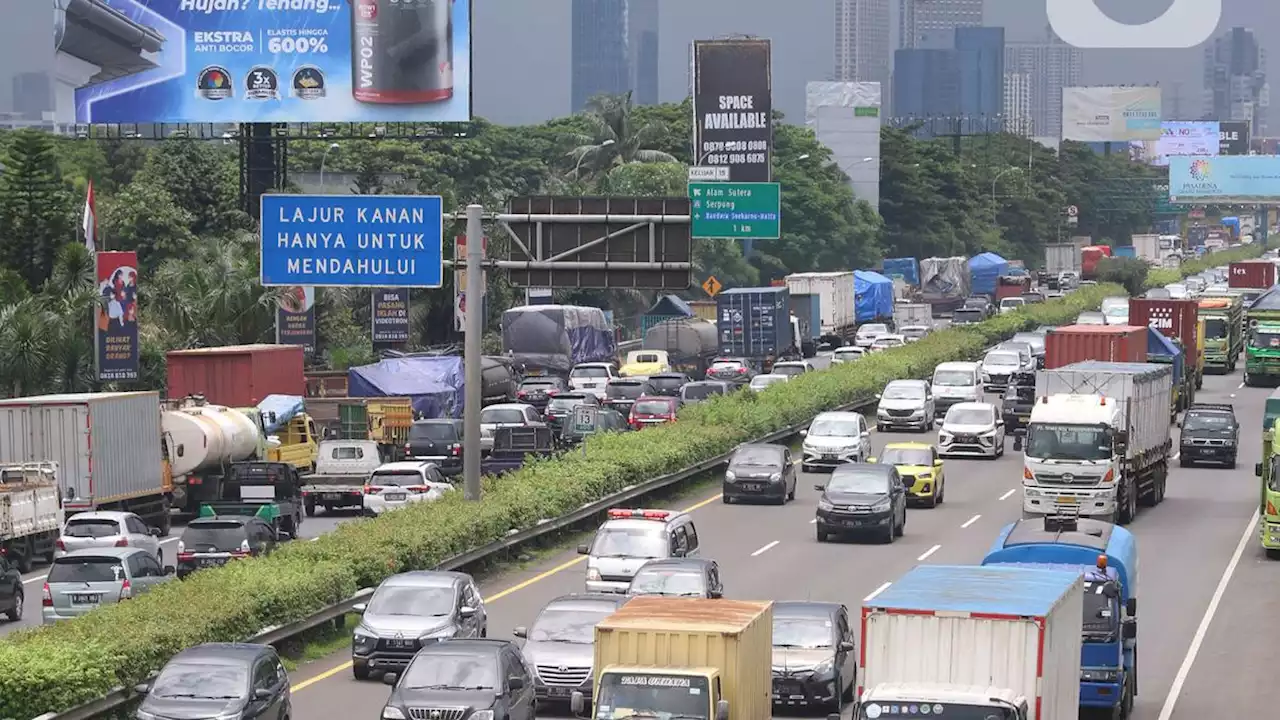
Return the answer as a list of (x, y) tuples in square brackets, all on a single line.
[(906, 268), (754, 322), (1125, 251), (985, 270), (1163, 350), (1107, 556), (808, 311)]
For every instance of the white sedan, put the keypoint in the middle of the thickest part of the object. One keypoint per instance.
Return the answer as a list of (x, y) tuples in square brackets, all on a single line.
[(761, 382), (400, 484)]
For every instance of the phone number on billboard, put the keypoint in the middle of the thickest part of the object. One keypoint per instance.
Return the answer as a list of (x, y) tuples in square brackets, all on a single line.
[(735, 146)]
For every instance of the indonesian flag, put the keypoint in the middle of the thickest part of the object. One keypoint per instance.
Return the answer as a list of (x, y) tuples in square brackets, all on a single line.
[(89, 224)]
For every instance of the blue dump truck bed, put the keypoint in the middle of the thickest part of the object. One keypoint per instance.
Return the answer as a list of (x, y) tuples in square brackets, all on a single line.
[(1027, 542), (1163, 350), (754, 322)]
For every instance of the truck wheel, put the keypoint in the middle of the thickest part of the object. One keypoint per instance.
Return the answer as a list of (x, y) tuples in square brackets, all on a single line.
[(25, 554), (1130, 509), (165, 526), (311, 509)]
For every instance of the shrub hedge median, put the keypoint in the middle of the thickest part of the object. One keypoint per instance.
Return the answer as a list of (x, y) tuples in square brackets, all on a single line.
[(57, 667)]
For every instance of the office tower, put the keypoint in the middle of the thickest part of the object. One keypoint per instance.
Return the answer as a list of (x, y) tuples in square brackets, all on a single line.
[(931, 23), (1017, 104), (1235, 79), (1051, 66), (926, 82), (963, 81), (615, 50), (862, 41)]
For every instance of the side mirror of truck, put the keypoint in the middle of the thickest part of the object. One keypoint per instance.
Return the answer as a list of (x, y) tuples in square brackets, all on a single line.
[(1129, 630), (1017, 443), (804, 433), (722, 710), (1131, 607), (1257, 469), (576, 703), (584, 550)]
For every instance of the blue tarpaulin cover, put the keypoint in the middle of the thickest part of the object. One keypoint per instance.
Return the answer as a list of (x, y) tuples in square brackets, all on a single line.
[(286, 407), (557, 337), (985, 271), (907, 268), (1159, 346), (873, 296), (434, 383)]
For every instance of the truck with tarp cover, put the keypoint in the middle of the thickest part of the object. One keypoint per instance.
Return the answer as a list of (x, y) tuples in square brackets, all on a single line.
[(690, 344), (985, 270), (1262, 339), (906, 268), (1223, 319), (551, 339), (874, 297), (433, 384), (944, 283), (1162, 350), (1268, 471)]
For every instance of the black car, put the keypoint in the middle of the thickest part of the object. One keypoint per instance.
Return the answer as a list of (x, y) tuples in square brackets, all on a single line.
[(11, 596), (214, 541), (622, 393), (538, 391), (760, 471), (1210, 433), (814, 663), (735, 371), (560, 409), (607, 420), (1018, 401), (668, 384), (437, 441), (703, 390), (862, 498), (463, 679), (678, 577), (237, 681)]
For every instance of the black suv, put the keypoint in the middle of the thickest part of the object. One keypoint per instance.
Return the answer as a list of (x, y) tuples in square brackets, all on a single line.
[(214, 541), (1018, 401), (439, 441), (1210, 433)]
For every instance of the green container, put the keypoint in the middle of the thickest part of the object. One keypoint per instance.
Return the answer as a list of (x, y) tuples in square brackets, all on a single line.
[(353, 422)]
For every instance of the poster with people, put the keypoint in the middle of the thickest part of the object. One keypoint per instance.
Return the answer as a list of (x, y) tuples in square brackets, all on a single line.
[(116, 325), (296, 318)]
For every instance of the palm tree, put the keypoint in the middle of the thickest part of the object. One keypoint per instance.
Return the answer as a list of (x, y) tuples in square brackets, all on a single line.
[(612, 138)]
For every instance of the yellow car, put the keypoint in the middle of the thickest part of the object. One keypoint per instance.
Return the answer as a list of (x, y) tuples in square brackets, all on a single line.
[(920, 462)]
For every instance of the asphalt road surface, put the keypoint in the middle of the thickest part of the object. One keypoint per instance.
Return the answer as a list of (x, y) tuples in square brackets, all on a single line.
[(1204, 586)]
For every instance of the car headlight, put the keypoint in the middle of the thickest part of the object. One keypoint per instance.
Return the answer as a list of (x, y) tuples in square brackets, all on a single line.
[(775, 477), (391, 712), (925, 476), (439, 634), (482, 715), (944, 437), (362, 636), (825, 506), (825, 667), (728, 475), (989, 433), (593, 574), (1102, 676), (1229, 442), (880, 506)]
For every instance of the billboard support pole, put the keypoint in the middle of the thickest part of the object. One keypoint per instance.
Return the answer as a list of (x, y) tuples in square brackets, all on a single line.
[(472, 350)]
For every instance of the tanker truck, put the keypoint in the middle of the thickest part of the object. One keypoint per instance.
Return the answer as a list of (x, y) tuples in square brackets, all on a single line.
[(202, 441), (690, 343)]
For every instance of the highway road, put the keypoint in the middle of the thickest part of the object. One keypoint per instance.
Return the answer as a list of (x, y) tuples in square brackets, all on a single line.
[(1203, 589)]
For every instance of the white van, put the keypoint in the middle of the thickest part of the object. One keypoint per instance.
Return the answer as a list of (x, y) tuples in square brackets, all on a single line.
[(955, 382)]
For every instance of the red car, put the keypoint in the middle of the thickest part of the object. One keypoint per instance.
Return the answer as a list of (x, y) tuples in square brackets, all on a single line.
[(653, 410)]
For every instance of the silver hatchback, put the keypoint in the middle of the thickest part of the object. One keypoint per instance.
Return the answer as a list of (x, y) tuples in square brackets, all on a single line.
[(84, 580), (105, 529)]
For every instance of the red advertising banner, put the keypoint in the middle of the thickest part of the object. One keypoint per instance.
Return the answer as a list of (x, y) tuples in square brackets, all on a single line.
[(116, 325)]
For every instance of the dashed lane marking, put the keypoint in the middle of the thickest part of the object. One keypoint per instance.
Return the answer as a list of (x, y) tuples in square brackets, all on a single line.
[(1006, 495), (970, 521), (878, 590), (925, 556), (764, 549)]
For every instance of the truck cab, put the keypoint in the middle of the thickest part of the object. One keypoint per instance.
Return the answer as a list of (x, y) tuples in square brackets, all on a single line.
[(1221, 317), (643, 363), (1262, 350), (625, 692), (895, 701), (1268, 470), (1069, 458), (1107, 556)]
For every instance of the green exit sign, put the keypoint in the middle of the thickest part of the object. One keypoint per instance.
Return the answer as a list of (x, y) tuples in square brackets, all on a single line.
[(736, 210)]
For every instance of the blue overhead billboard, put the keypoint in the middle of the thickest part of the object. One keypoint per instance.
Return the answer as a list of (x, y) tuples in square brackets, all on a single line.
[(353, 240), (224, 61), (1236, 179)]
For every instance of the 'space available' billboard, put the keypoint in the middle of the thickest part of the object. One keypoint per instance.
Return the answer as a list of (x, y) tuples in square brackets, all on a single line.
[(1233, 137), (213, 61), (733, 107), (1110, 114), (1239, 179)]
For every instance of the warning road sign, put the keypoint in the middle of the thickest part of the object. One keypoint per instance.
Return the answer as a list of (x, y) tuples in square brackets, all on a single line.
[(712, 286)]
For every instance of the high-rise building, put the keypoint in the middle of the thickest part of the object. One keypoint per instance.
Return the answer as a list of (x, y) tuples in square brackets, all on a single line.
[(962, 81), (980, 51), (615, 50), (1017, 104), (1051, 66), (862, 41), (926, 83), (1235, 79), (931, 23)]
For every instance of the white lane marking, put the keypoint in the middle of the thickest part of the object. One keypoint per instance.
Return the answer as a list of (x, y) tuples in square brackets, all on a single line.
[(928, 552), (813, 521), (1233, 394), (879, 590), (1171, 700), (1239, 387), (39, 578), (970, 521), (1176, 456), (766, 548), (1006, 495)]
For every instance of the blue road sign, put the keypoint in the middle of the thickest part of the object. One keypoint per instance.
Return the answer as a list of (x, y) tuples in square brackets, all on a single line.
[(353, 240)]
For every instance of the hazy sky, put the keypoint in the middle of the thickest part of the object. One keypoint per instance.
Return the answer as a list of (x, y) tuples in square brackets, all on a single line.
[(522, 48)]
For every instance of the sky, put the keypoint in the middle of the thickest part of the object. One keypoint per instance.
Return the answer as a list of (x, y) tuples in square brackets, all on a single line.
[(521, 56)]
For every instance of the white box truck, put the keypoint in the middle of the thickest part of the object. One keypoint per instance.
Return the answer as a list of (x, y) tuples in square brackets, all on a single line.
[(1146, 246), (30, 512), (973, 642), (1097, 443), (836, 296), (909, 313), (107, 447), (1060, 258)]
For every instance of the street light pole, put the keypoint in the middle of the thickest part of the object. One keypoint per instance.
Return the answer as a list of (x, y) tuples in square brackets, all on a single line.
[(472, 361), (323, 158), (996, 179)]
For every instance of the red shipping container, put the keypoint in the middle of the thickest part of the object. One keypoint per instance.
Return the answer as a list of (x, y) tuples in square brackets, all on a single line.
[(1177, 319), (1108, 343), (1012, 286), (1251, 274), (1089, 257), (236, 375)]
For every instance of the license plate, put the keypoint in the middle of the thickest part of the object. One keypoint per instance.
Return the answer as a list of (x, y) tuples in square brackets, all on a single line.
[(395, 497), (333, 496), (1066, 500), (1024, 418), (829, 456), (210, 562), (752, 487), (84, 599), (400, 643), (559, 691)]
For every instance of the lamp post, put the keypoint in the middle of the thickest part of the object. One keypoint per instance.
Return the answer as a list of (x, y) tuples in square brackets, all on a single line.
[(996, 179), (323, 158)]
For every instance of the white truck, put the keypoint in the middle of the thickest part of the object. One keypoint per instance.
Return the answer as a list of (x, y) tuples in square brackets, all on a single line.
[(836, 297), (202, 441), (30, 512), (907, 313), (343, 468), (1098, 441), (1060, 258), (1146, 246), (997, 642)]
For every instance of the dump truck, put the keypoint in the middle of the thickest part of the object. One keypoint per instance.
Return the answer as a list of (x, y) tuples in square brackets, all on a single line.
[(30, 512), (684, 657), (271, 491), (1262, 340), (1223, 320), (382, 420), (1098, 442), (972, 642), (1268, 471)]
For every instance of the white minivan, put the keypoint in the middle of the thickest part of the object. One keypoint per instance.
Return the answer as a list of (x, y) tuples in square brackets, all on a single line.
[(955, 382)]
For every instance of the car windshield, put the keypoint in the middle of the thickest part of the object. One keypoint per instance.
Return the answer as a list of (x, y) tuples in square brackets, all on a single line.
[(85, 570), (398, 478), (1099, 611), (829, 427), (760, 382), (953, 378), (858, 481), (1265, 339), (701, 392), (789, 370), (967, 315), (906, 456), (433, 432), (1215, 328), (1035, 341), (567, 626), (499, 416), (91, 528), (652, 407), (666, 382), (1116, 312), (950, 711), (645, 358), (1091, 318), (589, 372), (538, 385), (415, 601), (629, 391), (873, 330), (1067, 442), (214, 535), (565, 403), (652, 695), (968, 416), (630, 543), (670, 582), (757, 457), (802, 632), (903, 391), (1012, 302), (1208, 421), (1002, 359), (448, 671), (915, 332), (845, 354), (726, 367), (887, 341), (201, 682)]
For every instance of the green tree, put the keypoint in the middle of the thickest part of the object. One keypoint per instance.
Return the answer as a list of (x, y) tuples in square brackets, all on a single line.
[(614, 136), (145, 218), (368, 180), (203, 179), (35, 207)]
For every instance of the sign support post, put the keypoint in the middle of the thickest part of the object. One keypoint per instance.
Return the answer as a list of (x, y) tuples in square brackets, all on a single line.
[(472, 359)]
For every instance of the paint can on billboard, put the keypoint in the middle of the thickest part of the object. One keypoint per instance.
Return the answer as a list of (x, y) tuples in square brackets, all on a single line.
[(1110, 114), (1233, 137), (116, 324), (390, 311), (403, 52), (296, 318), (733, 107)]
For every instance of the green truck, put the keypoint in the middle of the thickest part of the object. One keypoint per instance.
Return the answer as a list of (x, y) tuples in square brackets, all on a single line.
[(1268, 470), (1223, 321), (1262, 341), (271, 491)]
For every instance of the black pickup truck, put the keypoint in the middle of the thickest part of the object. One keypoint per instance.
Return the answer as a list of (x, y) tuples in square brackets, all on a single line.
[(1018, 401), (1210, 433)]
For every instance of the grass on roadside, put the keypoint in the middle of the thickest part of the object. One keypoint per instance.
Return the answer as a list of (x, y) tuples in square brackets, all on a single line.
[(319, 643)]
